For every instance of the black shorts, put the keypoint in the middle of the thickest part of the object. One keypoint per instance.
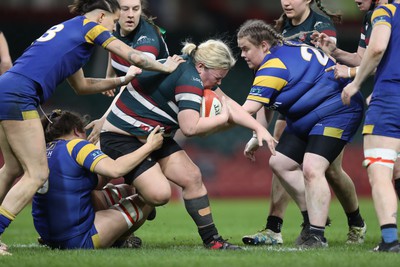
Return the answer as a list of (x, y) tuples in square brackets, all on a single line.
[(294, 147), (117, 145), (281, 117)]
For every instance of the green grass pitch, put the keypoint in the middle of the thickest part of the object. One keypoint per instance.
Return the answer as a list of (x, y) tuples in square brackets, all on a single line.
[(172, 240)]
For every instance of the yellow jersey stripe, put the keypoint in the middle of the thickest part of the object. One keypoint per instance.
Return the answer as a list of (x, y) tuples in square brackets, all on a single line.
[(270, 81), (97, 161), (368, 129), (30, 114), (96, 241), (258, 99), (273, 63), (378, 13), (391, 8), (333, 132), (94, 32)]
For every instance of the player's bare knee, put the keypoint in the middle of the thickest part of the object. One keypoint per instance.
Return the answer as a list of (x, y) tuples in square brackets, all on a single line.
[(275, 165), (310, 172), (158, 197), (332, 174), (38, 177), (191, 179)]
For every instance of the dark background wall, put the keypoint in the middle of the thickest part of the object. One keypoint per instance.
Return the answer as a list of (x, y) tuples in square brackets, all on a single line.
[(23, 21)]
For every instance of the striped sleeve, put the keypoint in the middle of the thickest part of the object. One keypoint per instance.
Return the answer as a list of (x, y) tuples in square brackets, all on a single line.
[(271, 77), (383, 15), (97, 34), (84, 153), (189, 90)]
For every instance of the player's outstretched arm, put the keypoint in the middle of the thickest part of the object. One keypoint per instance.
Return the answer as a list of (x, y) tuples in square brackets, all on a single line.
[(141, 60), (86, 86)]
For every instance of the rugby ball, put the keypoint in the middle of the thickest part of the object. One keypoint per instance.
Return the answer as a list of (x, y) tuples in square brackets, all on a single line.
[(210, 105)]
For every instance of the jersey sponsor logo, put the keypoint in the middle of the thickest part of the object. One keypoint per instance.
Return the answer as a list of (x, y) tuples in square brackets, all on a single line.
[(49, 153), (321, 26), (144, 39), (317, 24), (379, 19), (195, 79), (49, 149), (96, 153), (255, 90)]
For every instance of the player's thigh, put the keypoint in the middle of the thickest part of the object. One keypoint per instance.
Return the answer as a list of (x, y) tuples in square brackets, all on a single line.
[(14, 168), (378, 141), (321, 152), (291, 147), (110, 225), (181, 170), (153, 186), (335, 169), (26, 139)]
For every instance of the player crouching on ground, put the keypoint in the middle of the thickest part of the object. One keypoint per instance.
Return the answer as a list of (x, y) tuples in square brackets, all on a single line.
[(63, 212)]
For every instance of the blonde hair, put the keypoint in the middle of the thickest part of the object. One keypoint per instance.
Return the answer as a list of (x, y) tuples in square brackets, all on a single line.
[(214, 54)]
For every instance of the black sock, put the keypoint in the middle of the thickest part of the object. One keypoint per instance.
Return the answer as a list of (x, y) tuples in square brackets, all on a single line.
[(274, 223), (207, 233), (317, 230), (203, 220), (397, 186), (354, 218), (306, 220)]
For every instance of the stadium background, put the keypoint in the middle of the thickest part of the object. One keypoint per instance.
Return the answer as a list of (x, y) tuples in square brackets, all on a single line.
[(220, 156)]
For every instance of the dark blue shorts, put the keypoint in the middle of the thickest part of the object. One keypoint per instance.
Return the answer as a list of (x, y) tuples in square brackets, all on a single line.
[(332, 120), (382, 116), (87, 240), (19, 97)]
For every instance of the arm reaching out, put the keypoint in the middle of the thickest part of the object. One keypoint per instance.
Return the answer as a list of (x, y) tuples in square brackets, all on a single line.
[(122, 165), (141, 60), (85, 86)]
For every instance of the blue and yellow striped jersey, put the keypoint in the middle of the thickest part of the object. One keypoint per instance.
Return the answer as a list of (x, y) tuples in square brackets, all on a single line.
[(387, 73), (63, 208), (60, 52), (292, 80)]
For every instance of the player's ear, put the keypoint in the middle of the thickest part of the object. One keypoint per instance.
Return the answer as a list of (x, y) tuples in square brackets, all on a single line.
[(101, 17), (79, 134), (265, 46), (200, 67)]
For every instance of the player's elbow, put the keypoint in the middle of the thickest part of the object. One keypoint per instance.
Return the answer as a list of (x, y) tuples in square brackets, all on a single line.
[(378, 50), (189, 131), (138, 60)]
